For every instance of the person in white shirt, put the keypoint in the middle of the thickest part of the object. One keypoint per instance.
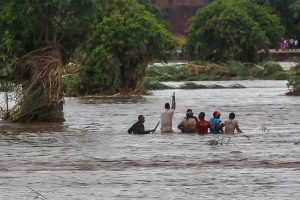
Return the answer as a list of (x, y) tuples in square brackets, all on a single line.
[(295, 44), (167, 116)]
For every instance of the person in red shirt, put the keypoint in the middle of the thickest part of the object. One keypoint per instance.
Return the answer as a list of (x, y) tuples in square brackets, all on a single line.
[(202, 125)]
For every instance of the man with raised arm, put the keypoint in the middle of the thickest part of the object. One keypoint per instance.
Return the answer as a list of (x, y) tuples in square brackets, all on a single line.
[(167, 116)]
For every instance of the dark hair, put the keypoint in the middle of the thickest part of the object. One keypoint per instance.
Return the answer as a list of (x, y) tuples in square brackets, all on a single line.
[(231, 115), (140, 117), (201, 115), (167, 106), (189, 113)]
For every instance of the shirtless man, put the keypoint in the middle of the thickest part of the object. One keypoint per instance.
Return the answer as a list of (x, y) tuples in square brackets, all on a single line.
[(231, 125), (188, 124)]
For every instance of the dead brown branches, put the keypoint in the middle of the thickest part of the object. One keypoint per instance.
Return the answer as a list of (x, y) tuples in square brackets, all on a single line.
[(41, 96)]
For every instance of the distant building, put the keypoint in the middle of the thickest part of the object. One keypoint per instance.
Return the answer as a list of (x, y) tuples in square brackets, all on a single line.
[(179, 12)]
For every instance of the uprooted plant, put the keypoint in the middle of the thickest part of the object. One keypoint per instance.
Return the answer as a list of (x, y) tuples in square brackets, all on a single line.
[(40, 98), (221, 139)]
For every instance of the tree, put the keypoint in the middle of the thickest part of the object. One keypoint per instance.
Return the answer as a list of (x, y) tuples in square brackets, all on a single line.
[(232, 29), (36, 38), (126, 39), (288, 11)]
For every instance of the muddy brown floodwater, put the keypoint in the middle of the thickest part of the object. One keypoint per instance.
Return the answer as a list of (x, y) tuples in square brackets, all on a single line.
[(91, 156)]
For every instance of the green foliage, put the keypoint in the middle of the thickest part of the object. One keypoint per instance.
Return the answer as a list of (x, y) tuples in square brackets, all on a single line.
[(72, 85), (288, 11), (37, 107), (150, 7), (168, 73), (127, 37), (29, 25), (156, 85), (7, 87), (281, 75), (233, 70), (232, 29), (104, 70), (271, 68), (294, 81)]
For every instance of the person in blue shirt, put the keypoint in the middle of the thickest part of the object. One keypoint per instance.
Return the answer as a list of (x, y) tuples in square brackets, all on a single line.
[(216, 125)]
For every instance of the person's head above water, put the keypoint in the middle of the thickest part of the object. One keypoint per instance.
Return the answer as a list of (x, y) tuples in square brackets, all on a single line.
[(231, 115), (167, 106), (201, 115), (189, 113), (141, 118), (216, 114)]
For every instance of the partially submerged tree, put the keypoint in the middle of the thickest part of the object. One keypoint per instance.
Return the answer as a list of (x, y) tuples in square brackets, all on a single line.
[(36, 37), (127, 38), (232, 29)]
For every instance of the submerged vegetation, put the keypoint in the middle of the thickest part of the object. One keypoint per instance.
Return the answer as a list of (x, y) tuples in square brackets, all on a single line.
[(155, 85), (212, 72), (294, 81)]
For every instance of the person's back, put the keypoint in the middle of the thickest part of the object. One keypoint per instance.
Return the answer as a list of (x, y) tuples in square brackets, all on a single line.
[(202, 125), (167, 116), (166, 121), (188, 124), (215, 123), (231, 124)]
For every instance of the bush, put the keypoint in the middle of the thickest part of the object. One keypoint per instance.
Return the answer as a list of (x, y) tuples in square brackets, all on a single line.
[(271, 68), (238, 69), (281, 76), (294, 81), (232, 29), (72, 85), (7, 87), (156, 85)]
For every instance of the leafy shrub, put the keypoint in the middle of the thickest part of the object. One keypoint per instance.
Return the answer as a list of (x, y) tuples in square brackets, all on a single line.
[(271, 68), (156, 85), (239, 69), (281, 76), (72, 85), (7, 87), (294, 81), (232, 29)]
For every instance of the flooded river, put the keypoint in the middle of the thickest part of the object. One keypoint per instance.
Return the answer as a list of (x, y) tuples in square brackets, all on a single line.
[(91, 156)]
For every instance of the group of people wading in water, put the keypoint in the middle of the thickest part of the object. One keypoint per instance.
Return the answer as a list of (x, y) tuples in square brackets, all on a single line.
[(190, 124)]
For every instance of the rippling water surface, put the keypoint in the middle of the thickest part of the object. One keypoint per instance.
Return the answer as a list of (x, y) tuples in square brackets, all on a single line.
[(91, 156)]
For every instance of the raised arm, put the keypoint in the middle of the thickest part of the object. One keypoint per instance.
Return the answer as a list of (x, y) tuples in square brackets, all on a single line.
[(173, 102)]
